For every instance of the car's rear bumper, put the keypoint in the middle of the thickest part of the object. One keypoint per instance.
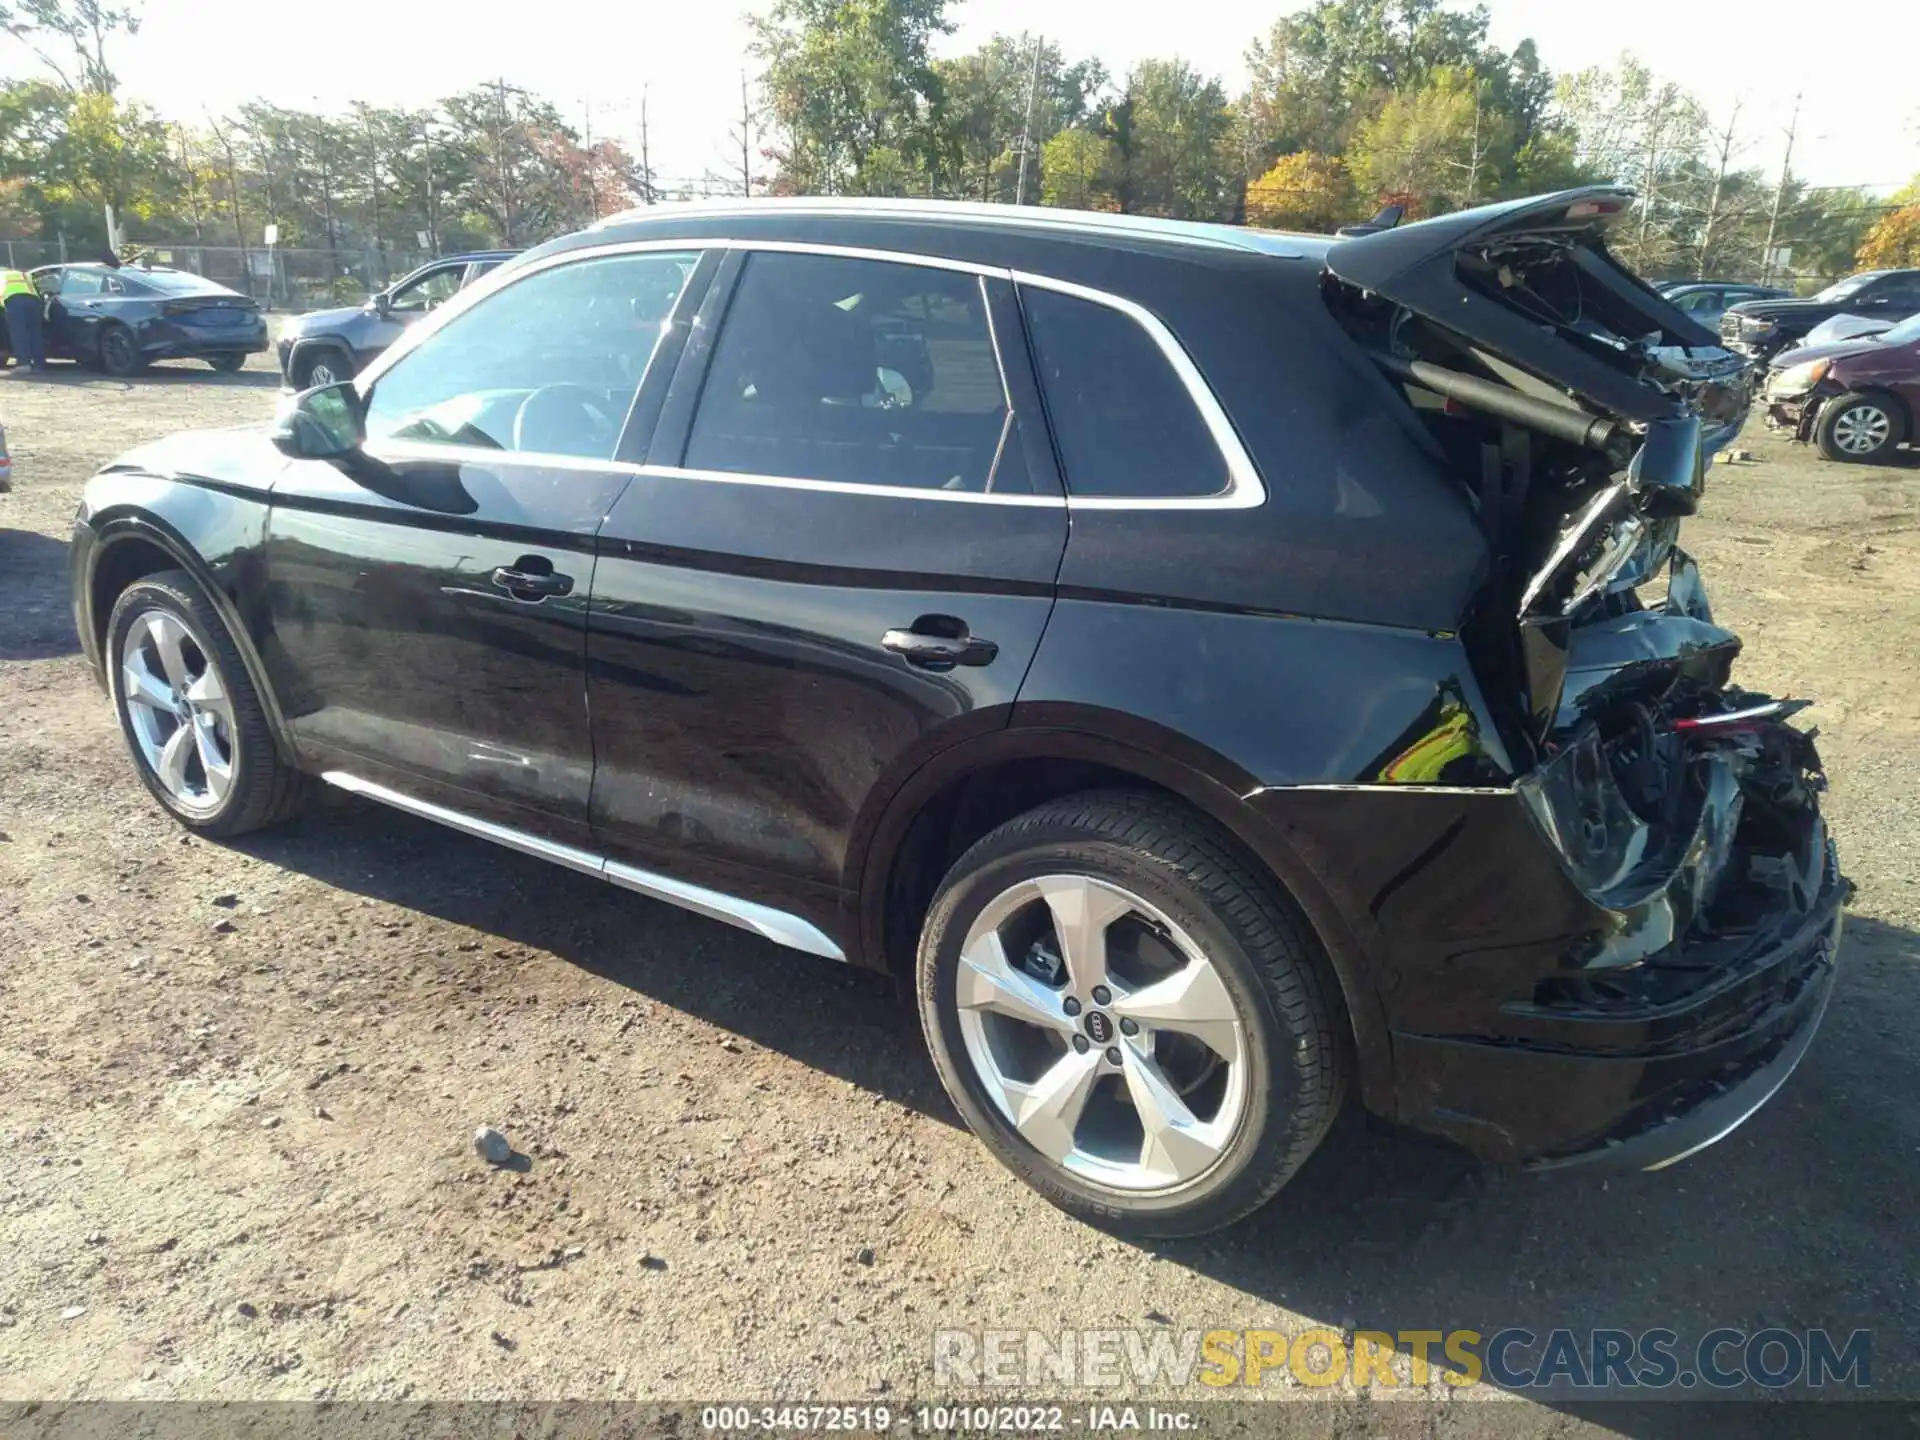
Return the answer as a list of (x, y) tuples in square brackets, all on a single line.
[(203, 342), (1638, 1089)]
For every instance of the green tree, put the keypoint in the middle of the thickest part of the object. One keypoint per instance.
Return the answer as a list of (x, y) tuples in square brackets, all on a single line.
[(985, 108), (1173, 134), (521, 189), (1076, 168), (76, 152), (1322, 72), (1441, 143), (846, 80)]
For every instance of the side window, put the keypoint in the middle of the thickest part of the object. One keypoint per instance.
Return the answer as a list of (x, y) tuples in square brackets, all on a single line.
[(865, 372), (1897, 291), (47, 282), (79, 282), (549, 365), (1700, 302), (1123, 419), (434, 288)]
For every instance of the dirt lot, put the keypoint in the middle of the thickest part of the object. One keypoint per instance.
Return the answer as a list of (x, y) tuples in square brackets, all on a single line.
[(240, 1081)]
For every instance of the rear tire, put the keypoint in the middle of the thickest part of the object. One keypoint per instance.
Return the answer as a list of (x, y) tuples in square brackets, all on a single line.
[(1860, 427), (228, 363), (119, 355), (322, 367), (197, 731), (1170, 1084)]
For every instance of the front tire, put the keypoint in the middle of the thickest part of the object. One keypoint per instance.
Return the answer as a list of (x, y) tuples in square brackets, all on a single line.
[(191, 717), (1859, 428), (120, 357), (1128, 1016)]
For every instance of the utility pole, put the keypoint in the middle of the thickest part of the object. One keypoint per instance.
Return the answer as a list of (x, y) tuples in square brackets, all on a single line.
[(593, 194), (746, 149), (1779, 197), (500, 160), (433, 224), (1026, 130), (646, 161)]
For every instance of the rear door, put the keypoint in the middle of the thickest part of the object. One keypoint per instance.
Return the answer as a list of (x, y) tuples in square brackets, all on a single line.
[(428, 599), (839, 557)]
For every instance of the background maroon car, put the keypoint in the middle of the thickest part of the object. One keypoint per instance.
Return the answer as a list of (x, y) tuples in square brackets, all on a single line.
[(1856, 400)]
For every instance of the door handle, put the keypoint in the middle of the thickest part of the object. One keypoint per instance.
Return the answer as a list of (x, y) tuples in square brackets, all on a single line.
[(926, 646), (532, 578)]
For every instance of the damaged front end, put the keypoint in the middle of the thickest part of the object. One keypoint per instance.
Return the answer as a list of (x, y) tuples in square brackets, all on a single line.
[(1577, 408)]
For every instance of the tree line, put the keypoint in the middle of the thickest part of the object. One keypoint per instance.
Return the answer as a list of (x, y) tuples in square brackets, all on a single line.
[(1350, 104)]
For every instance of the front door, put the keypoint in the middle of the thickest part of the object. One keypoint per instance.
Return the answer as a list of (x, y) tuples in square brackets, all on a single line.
[(428, 599), (839, 556), (73, 312)]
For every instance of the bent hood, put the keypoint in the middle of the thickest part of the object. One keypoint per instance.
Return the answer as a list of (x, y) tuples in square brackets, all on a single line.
[(1838, 350)]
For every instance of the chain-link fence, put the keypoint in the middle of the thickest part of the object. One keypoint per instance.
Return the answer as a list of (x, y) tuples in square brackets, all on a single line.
[(279, 279)]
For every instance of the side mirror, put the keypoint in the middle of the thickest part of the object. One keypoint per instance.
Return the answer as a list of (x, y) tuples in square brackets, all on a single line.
[(321, 424), (383, 304)]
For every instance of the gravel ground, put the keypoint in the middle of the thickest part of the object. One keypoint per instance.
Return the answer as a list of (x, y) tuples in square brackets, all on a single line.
[(241, 1080)]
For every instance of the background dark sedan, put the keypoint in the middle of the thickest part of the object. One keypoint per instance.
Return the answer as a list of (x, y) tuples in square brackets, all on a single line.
[(1763, 328), (124, 319)]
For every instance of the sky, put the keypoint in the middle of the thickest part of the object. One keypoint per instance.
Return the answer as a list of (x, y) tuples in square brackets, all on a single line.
[(1859, 125)]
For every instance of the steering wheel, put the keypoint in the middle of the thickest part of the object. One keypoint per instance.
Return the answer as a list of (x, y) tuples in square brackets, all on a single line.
[(565, 419)]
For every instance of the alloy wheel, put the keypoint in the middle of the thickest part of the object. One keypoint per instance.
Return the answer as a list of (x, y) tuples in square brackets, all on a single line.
[(1102, 1033), (320, 373), (1862, 429), (178, 710)]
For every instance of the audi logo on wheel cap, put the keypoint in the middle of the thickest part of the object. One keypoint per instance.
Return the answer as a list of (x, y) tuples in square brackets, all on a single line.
[(1099, 1027)]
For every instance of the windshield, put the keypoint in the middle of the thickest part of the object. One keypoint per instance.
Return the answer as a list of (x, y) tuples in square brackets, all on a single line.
[(1841, 289), (1905, 333), (170, 282)]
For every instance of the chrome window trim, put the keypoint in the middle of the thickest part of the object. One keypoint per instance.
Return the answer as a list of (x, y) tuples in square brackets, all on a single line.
[(848, 487), (503, 275), (426, 450), (775, 925), (1245, 489), (747, 245)]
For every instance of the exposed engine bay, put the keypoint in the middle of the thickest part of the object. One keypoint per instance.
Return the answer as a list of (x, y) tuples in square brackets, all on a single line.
[(1579, 411)]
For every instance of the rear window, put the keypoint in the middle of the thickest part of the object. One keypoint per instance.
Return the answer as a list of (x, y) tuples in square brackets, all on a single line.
[(169, 282), (1124, 422)]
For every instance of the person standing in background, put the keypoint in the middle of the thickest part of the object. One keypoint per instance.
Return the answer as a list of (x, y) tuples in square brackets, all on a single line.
[(26, 318)]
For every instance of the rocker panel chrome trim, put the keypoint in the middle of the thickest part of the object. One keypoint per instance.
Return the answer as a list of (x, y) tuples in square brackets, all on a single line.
[(775, 925)]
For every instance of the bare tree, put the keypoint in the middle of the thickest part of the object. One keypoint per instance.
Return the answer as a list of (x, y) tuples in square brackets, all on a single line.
[(1779, 197), (83, 25), (1727, 146)]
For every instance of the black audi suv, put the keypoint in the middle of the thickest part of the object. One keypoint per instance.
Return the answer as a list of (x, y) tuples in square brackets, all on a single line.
[(1226, 674)]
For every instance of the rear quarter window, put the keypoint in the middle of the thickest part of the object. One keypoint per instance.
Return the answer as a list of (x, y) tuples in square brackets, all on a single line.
[(1123, 420)]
